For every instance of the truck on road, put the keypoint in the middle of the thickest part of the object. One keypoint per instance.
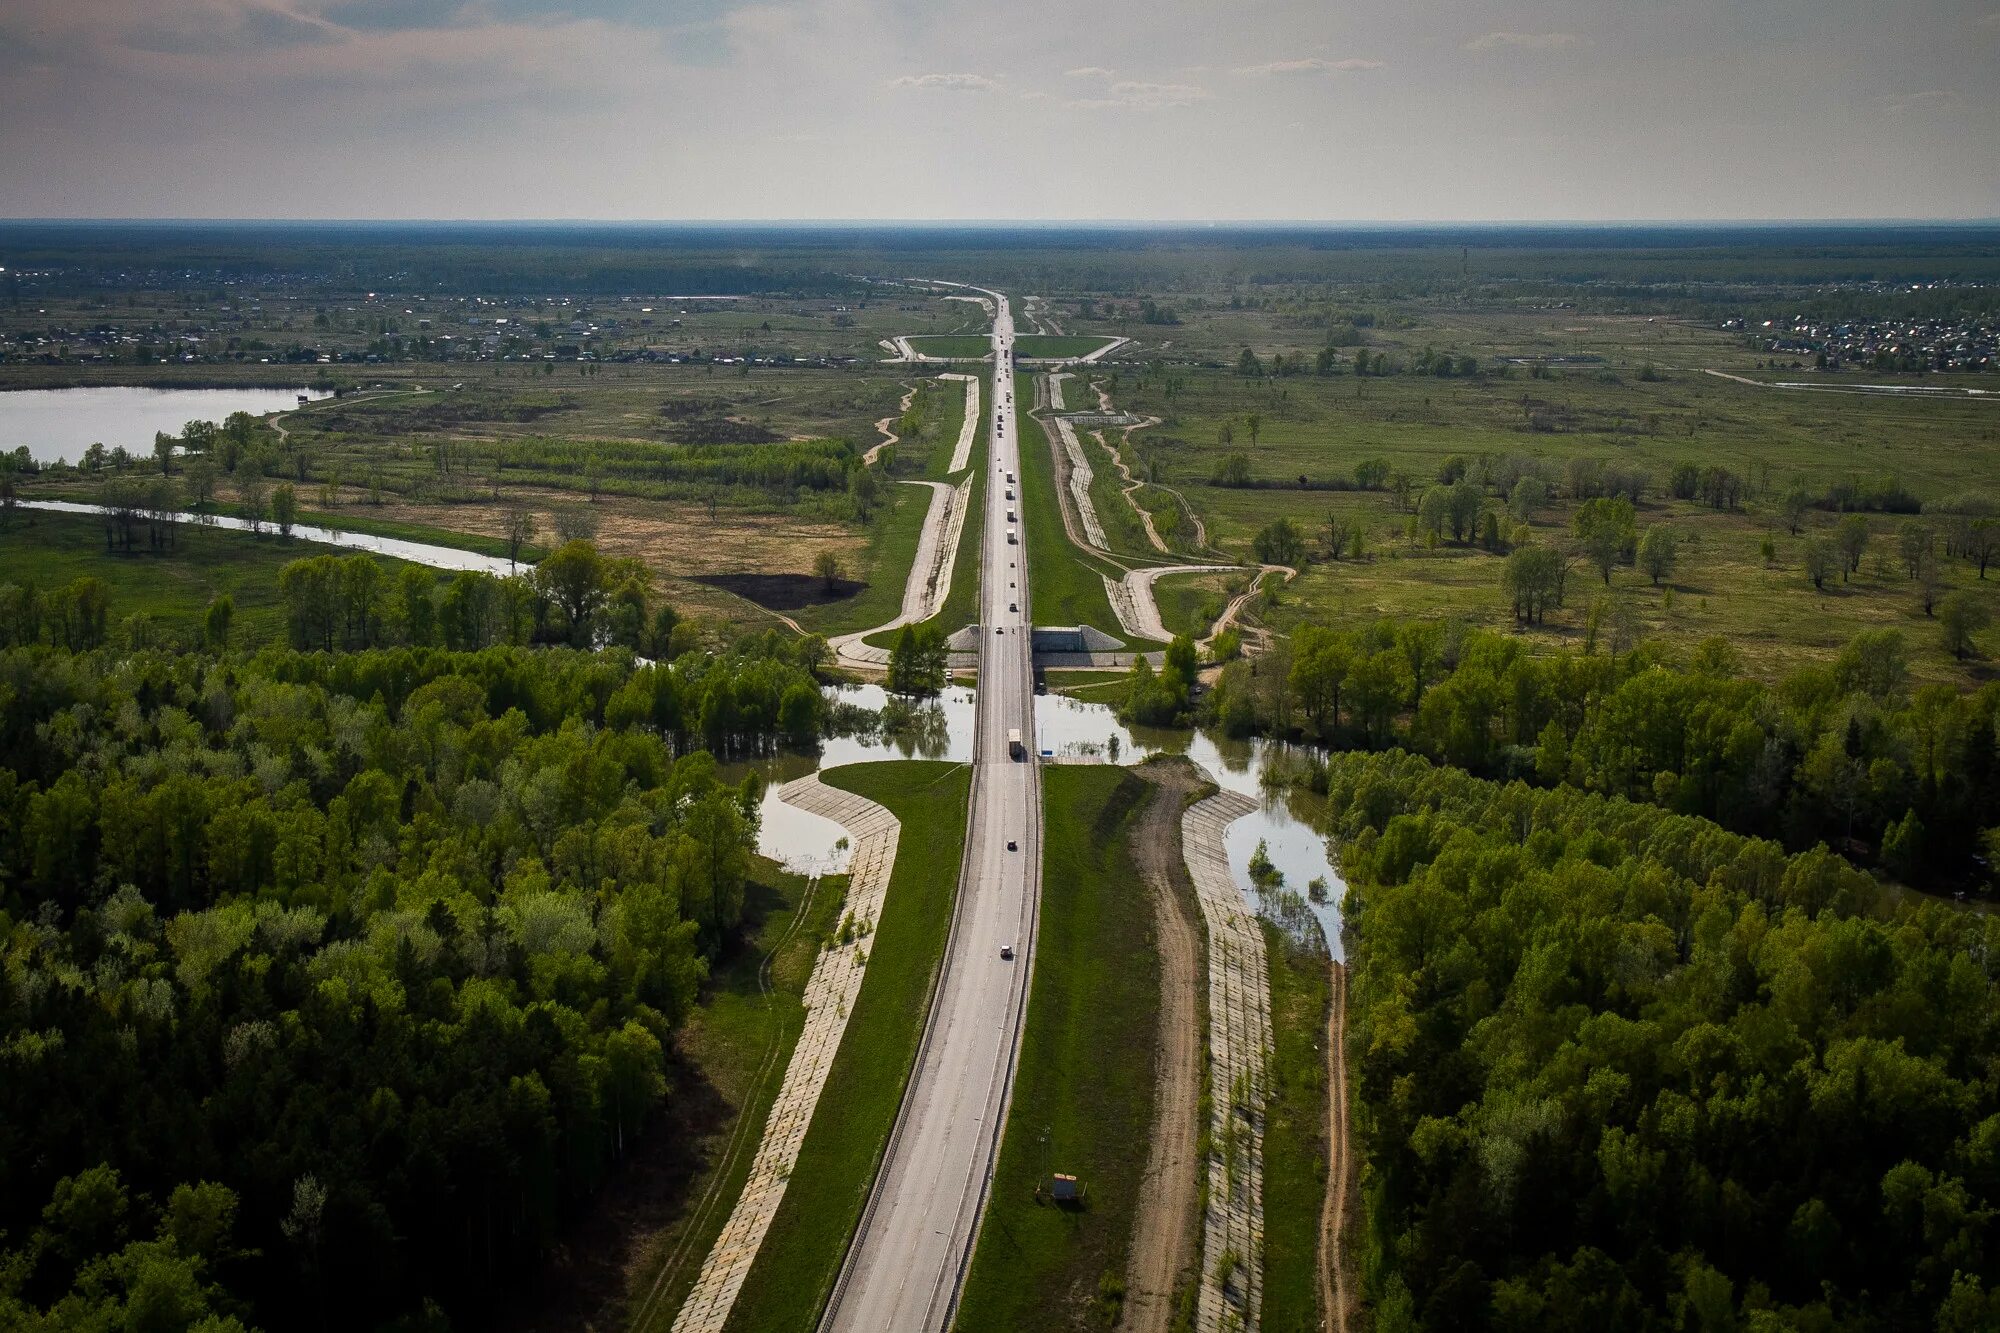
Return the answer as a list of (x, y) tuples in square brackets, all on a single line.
[(1011, 539), (1015, 748)]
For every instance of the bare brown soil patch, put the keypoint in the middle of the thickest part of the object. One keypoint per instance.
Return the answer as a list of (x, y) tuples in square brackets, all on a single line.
[(783, 592), (677, 542)]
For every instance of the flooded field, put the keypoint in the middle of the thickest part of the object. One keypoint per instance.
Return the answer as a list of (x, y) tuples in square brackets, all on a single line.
[(1074, 731)]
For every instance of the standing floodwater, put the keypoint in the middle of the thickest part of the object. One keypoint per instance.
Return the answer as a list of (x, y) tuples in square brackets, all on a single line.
[(1070, 730)]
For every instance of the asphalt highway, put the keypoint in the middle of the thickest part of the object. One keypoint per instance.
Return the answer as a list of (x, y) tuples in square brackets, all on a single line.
[(909, 1256)]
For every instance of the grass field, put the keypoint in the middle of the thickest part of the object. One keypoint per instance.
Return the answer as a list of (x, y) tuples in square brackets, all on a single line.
[(963, 603), (1722, 585), (482, 438), (884, 567), (965, 345), (1068, 586), (1319, 429), (943, 404), (1043, 346), (1190, 603), (1100, 685), (801, 1255), (175, 587), (1295, 1144), (739, 1041), (1084, 1091)]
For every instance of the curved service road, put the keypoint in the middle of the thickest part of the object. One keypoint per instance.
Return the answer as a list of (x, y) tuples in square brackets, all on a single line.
[(909, 1255)]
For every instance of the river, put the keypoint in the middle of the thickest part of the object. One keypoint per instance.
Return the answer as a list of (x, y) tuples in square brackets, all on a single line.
[(417, 553)]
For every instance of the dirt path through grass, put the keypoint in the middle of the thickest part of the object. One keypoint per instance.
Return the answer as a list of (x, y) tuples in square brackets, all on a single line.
[(1132, 484), (1130, 594), (890, 437), (1163, 1227)]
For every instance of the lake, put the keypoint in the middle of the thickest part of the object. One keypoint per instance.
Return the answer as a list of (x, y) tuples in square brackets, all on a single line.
[(59, 424)]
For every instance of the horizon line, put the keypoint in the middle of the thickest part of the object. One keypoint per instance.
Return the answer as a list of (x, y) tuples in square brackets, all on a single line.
[(994, 223)]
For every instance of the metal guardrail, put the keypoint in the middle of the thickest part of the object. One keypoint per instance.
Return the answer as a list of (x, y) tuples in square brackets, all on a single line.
[(1100, 419)]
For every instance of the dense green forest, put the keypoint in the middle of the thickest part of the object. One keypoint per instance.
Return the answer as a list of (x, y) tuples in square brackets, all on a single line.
[(1852, 753), (333, 983), (1620, 1069)]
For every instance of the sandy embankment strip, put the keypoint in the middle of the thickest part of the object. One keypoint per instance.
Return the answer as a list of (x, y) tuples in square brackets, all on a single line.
[(929, 580), (1079, 479), (1239, 1047), (968, 426), (1055, 389), (829, 998)]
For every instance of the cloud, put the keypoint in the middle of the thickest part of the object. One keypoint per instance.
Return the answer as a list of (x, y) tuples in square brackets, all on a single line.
[(1089, 72), (393, 15), (1525, 41), (957, 83), (211, 29), (408, 15), (1310, 65), (1135, 95), (1927, 99)]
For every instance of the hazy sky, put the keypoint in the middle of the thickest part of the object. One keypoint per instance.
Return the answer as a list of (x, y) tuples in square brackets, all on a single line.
[(1167, 109)]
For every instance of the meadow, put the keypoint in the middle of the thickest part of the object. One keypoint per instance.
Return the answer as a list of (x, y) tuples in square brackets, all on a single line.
[(1298, 442)]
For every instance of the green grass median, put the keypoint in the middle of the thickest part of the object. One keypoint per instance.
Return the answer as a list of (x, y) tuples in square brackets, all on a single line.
[(1295, 1142), (1083, 1096)]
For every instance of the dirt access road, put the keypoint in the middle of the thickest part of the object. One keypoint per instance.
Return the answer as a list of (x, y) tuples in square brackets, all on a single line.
[(1163, 1230), (1335, 1295)]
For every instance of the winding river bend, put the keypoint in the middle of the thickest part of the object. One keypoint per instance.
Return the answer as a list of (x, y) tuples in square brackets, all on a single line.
[(417, 553)]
